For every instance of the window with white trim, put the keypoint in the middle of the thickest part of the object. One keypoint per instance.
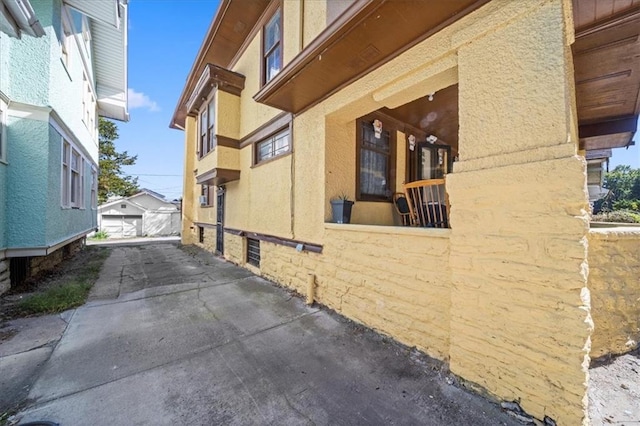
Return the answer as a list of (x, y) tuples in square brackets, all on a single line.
[(72, 176), (273, 146), (94, 188), (3, 133), (65, 41), (88, 106)]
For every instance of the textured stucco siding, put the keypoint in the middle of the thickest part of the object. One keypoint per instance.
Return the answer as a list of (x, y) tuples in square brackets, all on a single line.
[(27, 182), (614, 282), (3, 204)]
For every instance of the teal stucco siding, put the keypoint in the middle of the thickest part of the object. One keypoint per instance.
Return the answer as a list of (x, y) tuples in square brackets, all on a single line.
[(3, 203)]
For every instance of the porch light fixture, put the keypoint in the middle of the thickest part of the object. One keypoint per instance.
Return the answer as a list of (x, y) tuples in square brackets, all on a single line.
[(412, 142), (432, 138), (431, 96), (377, 128)]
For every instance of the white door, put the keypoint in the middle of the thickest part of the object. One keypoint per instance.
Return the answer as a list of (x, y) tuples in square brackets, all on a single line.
[(122, 226)]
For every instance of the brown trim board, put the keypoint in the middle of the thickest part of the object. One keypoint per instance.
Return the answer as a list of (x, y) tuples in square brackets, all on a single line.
[(287, 242), (270, 127)]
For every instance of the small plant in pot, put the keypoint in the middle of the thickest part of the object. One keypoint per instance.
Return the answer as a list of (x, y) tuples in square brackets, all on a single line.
[(341, 209)]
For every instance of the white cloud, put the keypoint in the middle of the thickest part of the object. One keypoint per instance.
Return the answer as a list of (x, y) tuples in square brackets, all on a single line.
[(140, 100)]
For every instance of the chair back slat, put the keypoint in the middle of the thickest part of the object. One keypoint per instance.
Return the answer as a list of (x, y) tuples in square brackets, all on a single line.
[(428, 203)]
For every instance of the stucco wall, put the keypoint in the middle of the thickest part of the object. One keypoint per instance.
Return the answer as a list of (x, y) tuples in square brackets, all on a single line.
[(614, 282)]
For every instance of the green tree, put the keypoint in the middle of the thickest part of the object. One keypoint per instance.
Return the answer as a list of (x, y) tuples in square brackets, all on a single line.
[(112, 180), (624, 184)]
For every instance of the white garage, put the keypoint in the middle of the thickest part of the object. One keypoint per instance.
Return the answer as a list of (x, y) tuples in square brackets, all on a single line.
[(146, 213), (122, 226)]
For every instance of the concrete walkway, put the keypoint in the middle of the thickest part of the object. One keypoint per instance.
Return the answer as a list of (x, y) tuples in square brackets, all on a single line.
[(175, 337)]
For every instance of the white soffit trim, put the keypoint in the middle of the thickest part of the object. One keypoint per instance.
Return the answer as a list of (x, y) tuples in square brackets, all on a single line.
[(17, 16), (105, 11)]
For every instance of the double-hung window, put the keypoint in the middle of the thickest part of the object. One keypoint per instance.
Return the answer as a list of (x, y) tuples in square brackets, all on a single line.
[(3, 135), (273, 146), (207, 140), (376, 159), (94, 188), (72, 177), (65, 41), (272, 47)]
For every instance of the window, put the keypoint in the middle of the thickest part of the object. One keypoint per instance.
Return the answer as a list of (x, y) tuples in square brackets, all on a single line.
[(206, 195), (200, 234), (66, 152), (273, 146), (272, 47), (88, 106), (73, 165), (94, 188), (253, 252), (65, 41), (376, 162), (207, 141), (3, 135)]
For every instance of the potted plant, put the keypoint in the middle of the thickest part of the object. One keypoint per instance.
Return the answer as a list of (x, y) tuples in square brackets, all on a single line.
[(341, 209)]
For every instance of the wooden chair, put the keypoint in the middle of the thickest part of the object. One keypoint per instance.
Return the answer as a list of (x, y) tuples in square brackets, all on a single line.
[(428, 203), (402, 208)]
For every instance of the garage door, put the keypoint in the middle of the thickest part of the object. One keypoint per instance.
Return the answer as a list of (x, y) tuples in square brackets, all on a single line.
[(122, 226)]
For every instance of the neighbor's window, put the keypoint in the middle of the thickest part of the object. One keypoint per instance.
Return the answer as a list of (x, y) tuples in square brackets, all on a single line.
[(65, 41), (77, 163), (66, 177), (272, 47), (207, 141), (3, 137), (94, 188), (273, 146), (375, 155)]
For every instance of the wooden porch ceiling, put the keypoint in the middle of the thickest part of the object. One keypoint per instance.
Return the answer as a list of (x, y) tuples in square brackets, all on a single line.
[(367, 34), (607, 71)]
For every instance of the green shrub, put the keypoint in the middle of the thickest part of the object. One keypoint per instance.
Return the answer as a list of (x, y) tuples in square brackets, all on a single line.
[(100, 235), (57, 299), (620, 216)]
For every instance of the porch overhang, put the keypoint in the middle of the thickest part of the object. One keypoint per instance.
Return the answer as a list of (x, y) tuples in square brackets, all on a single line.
[(356, 43), (218, 176), (607, 73)]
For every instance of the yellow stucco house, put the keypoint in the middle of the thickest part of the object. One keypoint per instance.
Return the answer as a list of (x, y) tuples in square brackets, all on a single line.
[(493, 103)]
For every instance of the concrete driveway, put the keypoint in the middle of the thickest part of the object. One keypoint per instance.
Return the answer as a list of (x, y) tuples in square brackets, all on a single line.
[(178, 337)]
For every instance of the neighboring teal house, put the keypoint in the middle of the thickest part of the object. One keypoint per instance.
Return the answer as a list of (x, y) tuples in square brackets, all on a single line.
[(63, 63)]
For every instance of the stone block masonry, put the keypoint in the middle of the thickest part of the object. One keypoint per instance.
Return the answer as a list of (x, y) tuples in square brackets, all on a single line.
[(5, 278), (614, 282)]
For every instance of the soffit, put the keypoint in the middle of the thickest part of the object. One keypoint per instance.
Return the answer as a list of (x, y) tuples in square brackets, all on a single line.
[(217, 176), (368, 34), (606, 57), (232, 24)]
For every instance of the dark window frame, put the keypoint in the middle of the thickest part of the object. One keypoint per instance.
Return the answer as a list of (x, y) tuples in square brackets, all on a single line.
[(271, 139), (201, 234), (209, 192), (253, 258), (276, 7), (391, 129), (206, 133)]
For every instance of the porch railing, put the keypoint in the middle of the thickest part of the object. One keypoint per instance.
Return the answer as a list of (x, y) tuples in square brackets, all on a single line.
[(428, 203)]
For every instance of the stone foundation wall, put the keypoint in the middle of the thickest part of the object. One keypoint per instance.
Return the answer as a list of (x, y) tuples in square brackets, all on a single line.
[(5, 281), (614, 282), (39, 264)]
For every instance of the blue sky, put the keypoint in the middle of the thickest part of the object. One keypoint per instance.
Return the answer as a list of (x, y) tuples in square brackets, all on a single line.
[(164, 38)]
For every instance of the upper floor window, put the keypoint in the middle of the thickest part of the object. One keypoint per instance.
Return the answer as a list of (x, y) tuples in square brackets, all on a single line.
[(272, 47), (65, 41), (88, 106), (273, 146), (207, 139)]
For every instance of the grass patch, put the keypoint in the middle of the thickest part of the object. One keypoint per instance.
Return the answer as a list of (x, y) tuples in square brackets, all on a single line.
[(100, 235), (70, 291)]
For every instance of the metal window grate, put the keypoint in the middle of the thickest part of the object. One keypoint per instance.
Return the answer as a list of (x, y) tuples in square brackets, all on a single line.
[(253, 252), (200, 234)]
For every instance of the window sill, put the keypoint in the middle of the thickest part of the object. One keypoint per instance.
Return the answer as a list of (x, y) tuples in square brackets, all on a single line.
[(272, 159), (3, 161), (66, 69)]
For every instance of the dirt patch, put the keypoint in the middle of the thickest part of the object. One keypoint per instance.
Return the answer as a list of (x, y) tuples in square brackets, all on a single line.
[(84, 265)]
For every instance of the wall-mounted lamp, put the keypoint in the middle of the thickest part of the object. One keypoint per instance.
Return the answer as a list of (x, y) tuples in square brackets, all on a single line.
[(377, 128), (432, 138), (412, 142), (431, 96)]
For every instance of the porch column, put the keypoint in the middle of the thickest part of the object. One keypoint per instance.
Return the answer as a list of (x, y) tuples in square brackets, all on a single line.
[(520, 324)]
